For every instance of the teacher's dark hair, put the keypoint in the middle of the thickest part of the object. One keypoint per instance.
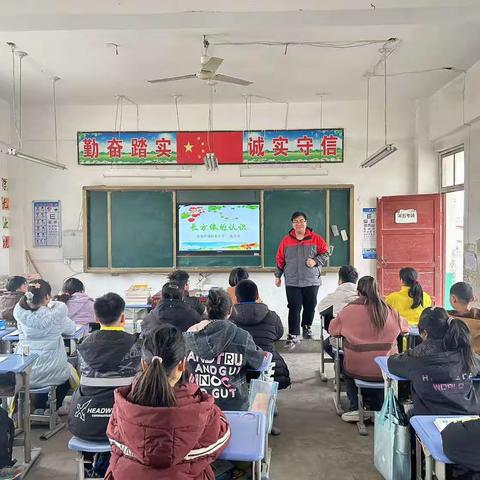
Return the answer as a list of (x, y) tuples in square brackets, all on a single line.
[(409, 276), (454, 334), (298, 214)]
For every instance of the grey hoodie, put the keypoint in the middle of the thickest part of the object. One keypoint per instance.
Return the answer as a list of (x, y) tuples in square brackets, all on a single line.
[(219, 355)]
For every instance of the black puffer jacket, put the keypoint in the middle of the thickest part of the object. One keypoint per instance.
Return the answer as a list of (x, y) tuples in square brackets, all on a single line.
[(460, 443), (108, 359), (266, 328), (441, 382), (174, 312)]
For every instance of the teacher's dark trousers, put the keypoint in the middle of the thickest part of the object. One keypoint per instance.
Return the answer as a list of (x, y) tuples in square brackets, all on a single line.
[(297, 298)]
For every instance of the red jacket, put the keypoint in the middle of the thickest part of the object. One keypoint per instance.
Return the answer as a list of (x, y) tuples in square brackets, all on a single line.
[(292, 255), (166, 443)]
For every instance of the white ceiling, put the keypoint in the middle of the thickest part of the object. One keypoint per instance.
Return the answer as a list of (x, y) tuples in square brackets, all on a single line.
[(68, 39)]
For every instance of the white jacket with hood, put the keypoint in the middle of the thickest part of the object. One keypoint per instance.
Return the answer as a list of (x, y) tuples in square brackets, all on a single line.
[(341, 297)]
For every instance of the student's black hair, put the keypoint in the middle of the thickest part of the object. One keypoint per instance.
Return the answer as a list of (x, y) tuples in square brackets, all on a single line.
[(179, 276), (298, 214), (38, 290), (70, 286), (163, 349), (172, 291), (463, 291), (409, 276), (348, 274), (378, 309), (219, 304), (108, 308), (15, 282), (237, 275), (454, 333), (246, 291)]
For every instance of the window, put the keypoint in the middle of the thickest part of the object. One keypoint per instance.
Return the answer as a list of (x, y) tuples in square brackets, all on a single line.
[(453, 177), (453, 169)]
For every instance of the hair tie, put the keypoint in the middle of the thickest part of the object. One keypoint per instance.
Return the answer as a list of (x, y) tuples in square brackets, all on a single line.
[(155, 357), (35, 285), (29, 296)]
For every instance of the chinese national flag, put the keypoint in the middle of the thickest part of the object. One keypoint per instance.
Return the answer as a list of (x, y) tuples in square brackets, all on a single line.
[(192, 147)]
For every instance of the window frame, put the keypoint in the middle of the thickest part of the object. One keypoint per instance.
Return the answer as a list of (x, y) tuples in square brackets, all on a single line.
[(447, 153)]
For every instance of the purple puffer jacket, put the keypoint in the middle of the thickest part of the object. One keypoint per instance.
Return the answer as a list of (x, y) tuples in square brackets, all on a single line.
[(80, 308)]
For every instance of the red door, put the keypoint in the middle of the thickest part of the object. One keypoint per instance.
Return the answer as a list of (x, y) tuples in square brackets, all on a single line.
[(409, 234)]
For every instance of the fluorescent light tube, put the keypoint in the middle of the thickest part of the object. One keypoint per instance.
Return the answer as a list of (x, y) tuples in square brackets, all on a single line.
[(146, 173), (278, 171), (379, 155), (39, 160)]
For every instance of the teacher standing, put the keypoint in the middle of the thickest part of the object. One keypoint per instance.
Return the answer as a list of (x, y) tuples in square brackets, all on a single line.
[(300, 257)]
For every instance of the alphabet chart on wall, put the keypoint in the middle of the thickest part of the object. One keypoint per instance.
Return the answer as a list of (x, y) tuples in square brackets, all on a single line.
[(46, 224)]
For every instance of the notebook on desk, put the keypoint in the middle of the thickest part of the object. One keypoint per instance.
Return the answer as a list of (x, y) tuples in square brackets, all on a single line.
[(441, 423)]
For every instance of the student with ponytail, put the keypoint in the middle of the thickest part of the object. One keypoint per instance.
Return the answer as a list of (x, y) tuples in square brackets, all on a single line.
[(41, 323), (162, 428), (370, 329), (410, 300), (220, 353), (441, 368)]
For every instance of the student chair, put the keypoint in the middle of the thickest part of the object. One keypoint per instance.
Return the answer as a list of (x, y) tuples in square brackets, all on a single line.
[(80, 446), (337, 385), (326, 317), (53, 419), (362, 429)]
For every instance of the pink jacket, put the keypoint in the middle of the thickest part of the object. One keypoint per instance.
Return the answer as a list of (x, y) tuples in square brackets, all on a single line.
[(362, 343), (80, 308)]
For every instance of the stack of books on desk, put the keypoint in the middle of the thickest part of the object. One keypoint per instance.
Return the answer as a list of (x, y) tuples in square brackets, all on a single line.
[(138, 293)]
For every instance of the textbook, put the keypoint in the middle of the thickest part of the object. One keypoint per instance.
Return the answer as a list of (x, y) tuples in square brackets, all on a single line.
[(441, 423)]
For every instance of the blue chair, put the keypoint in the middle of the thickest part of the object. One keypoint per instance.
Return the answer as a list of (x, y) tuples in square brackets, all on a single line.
[(362, 429), (80, 446), (53, 419)]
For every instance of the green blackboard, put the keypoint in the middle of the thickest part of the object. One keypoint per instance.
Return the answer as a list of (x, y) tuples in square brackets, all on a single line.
[(96, 215), (278, 208), (143, 232), (340, 216)]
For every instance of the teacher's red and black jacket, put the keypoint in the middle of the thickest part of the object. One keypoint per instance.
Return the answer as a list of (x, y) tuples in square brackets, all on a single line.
[(292, 255)]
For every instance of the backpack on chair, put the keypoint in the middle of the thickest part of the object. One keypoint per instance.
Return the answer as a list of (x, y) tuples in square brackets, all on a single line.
[(7, 434)]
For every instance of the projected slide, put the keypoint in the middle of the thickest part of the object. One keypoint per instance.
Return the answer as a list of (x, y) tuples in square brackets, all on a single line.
[(230, 228)]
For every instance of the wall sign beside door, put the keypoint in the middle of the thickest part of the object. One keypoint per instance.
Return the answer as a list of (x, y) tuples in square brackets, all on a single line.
[(406, 216)]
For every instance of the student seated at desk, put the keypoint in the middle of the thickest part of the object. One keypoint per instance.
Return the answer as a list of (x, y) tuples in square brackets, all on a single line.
[(108, 358), (264, 326), (182, 278), (220, 353), (41, 324), (79, 304), (410, 300), (172, 310), (461, 298), (162, 428), (16, 287), (461, 441), (441, 368), (370, 329)]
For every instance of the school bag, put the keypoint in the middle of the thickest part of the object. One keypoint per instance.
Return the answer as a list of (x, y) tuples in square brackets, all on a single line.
[(7, 434)]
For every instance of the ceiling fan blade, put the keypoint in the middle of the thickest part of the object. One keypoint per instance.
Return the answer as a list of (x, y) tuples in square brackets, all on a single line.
[(236, 81), (212, 64), (172, 79)]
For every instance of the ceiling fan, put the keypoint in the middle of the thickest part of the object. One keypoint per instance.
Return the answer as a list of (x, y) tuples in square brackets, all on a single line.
[(208, 70)]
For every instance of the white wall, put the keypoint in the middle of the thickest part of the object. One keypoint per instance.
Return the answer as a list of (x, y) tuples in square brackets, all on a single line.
[(5, 136), (393, 176), (452, 115)]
